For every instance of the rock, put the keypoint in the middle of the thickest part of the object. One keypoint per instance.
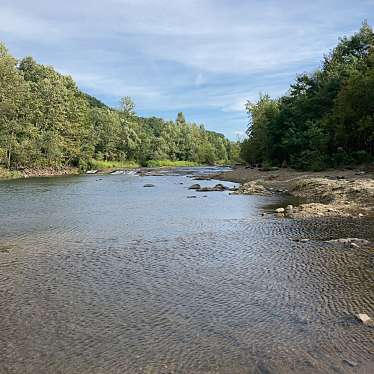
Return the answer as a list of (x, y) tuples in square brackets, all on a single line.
[(194, 187), (289, 209), (365, 319), (117, 172), (191, 197), (149, 185), (303, 240), (280, 210), (360, 215), (350, 363), (220, 187), (91, 171), (252, 188), (210, 189), (354, 245), (349, 241)]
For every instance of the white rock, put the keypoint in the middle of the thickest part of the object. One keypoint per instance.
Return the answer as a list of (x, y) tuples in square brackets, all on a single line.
[(365, 319), (279, 210)]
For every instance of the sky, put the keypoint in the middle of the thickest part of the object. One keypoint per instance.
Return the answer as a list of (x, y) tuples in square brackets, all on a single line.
[(202, 57)]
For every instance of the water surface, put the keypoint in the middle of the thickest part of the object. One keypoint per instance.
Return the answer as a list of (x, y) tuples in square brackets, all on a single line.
[(101, 275)]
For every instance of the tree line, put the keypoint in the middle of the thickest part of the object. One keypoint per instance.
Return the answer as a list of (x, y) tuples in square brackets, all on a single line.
[(326, 119), (45, 120)]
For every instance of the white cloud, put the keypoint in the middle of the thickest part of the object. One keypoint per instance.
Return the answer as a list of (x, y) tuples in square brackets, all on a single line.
[(184, 54)]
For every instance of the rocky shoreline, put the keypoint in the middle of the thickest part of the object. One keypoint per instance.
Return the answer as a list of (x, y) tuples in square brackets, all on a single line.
[(332, 193)]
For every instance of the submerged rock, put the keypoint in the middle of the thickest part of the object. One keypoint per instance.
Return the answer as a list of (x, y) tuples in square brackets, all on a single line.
[(149, 185), (349, 241)]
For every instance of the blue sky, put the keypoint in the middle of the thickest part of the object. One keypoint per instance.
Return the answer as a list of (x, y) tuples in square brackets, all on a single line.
[(202, 57)]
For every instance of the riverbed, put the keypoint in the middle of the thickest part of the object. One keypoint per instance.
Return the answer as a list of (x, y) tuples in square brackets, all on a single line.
[(99, 274)]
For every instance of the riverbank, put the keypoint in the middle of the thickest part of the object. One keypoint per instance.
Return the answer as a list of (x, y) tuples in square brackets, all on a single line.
[(327, 193), (37, 172), (153, 168)]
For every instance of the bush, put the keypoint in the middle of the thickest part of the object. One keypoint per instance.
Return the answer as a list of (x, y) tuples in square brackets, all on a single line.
[(169, 163), (309, 160), (361, 157)]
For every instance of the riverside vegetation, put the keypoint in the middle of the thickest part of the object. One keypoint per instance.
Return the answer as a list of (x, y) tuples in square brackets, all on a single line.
[(47, 123), (327, 117)]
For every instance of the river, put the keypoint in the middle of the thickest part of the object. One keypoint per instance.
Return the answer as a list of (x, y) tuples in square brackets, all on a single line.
[(99, 274)]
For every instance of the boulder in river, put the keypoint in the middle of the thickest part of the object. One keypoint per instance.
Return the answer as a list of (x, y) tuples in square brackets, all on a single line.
[(279, 210), (149, 185), (195, 187)]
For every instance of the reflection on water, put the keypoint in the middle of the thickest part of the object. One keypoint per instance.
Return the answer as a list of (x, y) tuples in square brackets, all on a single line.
[(102, 275)]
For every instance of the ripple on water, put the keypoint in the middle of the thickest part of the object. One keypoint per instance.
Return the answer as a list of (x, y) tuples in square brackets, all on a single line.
[(231, 292)]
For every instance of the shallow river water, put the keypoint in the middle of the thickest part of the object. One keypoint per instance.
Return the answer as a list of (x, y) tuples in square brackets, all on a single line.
[(101, 275)]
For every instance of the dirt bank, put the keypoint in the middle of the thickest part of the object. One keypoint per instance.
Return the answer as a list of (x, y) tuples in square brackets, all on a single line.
[(327, 193)]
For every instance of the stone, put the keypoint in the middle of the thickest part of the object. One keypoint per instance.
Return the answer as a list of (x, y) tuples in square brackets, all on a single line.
[(289, 208), (220, 187), (365, 319), (191, 197), (349, 241), (149, 185), (195, 187), (350, 363), (252, 188), (279, 210)]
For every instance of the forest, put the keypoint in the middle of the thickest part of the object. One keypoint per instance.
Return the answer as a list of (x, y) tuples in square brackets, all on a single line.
[(45, 120), (326, 119)]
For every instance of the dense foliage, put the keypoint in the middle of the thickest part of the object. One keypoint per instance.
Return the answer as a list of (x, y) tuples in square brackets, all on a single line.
[(45, 120), (327, 117)]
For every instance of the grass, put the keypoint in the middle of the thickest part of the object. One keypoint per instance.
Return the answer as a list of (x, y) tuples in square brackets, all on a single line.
[(9, 174), (100, 164), (170, 163)]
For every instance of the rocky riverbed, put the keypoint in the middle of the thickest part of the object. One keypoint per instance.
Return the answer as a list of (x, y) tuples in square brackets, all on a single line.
[(329, 193)]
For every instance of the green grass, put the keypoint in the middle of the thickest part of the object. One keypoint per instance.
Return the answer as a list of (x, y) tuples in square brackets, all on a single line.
[(100, 164), (9, 174), (170, 163)]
